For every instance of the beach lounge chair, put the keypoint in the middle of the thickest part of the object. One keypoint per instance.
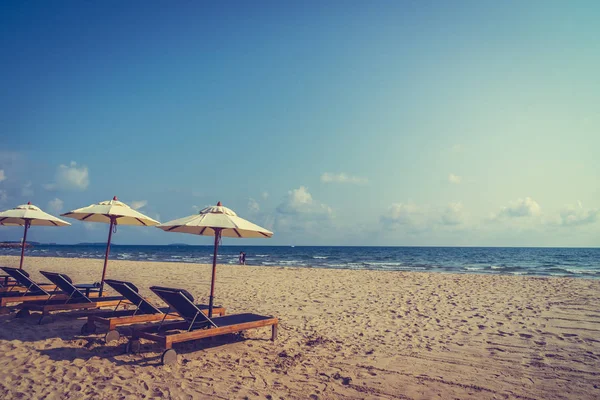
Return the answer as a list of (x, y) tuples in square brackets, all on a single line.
[(196, 325), (72, 299), (144, 312), (18, 280), (6, 281), (33, 292)]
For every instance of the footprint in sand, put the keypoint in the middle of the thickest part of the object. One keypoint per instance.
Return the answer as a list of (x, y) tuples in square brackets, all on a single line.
[(75, 387), (525, 335), (493, 349)]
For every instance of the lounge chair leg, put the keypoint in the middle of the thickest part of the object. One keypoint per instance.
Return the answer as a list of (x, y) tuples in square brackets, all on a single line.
[(274, 333), (22, 313), (41, 317), (88, 328), (133, 346)]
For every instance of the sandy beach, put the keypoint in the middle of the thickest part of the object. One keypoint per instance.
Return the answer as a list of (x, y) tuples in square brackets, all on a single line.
[(343, 334)]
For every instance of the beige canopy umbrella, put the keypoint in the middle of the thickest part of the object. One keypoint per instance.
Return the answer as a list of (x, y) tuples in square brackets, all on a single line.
[(217, 221), (27, 215), (111, 212)]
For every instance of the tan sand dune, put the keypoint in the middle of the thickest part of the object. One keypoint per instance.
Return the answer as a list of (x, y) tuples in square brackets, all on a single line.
[(343, 334)]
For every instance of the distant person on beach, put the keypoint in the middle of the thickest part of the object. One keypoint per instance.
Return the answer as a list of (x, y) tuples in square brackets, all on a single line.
[(243, 258)]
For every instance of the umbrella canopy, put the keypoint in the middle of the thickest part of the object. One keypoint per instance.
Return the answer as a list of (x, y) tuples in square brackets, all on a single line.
[(211, 219), (113, 212), (216, 221), (109, 211), (28, 215)]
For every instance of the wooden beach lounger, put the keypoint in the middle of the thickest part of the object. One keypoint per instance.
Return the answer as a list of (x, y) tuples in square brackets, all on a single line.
[(196, 324), (34, 292), (144, 312), (6, 281), (72, 299), (19, 281)]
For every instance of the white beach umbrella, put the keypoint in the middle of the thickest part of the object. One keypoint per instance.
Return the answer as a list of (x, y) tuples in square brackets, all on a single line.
[(28, 215), (216, 221), (111, 212)]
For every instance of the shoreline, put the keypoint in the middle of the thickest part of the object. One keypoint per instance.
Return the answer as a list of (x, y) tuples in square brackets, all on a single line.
[(343, 334), (491, 267)]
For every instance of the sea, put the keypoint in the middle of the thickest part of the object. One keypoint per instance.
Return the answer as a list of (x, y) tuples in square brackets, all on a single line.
[(571, 262)]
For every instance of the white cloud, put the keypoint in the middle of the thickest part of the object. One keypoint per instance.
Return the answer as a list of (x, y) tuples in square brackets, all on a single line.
[(55, 205), (300, 213), (401, 214), (526, 207), (27, 190), (3, 196), (253, 206), (71, 177), (577, 215), (137, 204), (453, 215), (327, 177), (265, 195), (2, 175), (413, 218), (454, 179), (300, 202), (408, 217)]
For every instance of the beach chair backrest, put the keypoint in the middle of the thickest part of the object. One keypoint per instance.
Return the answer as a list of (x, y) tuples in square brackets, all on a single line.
[(182, 302), (64, 283), (130, 292), (23, 279)]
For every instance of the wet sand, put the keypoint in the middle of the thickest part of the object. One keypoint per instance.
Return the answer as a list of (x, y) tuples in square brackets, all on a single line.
[(342, 334)]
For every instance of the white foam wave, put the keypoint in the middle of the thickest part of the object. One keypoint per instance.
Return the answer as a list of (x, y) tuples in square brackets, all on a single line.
[(582, 271), (385, 263)]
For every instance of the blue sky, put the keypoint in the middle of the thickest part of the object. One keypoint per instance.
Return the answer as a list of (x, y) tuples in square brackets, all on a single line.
[(336, 123)]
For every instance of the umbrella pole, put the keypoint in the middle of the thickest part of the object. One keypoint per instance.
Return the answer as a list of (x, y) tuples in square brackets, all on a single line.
[(27, 222), (214, 272), (110, 230)]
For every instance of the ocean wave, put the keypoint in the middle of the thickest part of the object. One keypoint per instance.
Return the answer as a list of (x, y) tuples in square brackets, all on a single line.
[(351, 265), (575, 263), (291, 263), (384, 263), (583, 271)]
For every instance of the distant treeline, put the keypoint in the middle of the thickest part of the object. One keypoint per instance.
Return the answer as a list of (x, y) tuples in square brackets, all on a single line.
[(16, 244)]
